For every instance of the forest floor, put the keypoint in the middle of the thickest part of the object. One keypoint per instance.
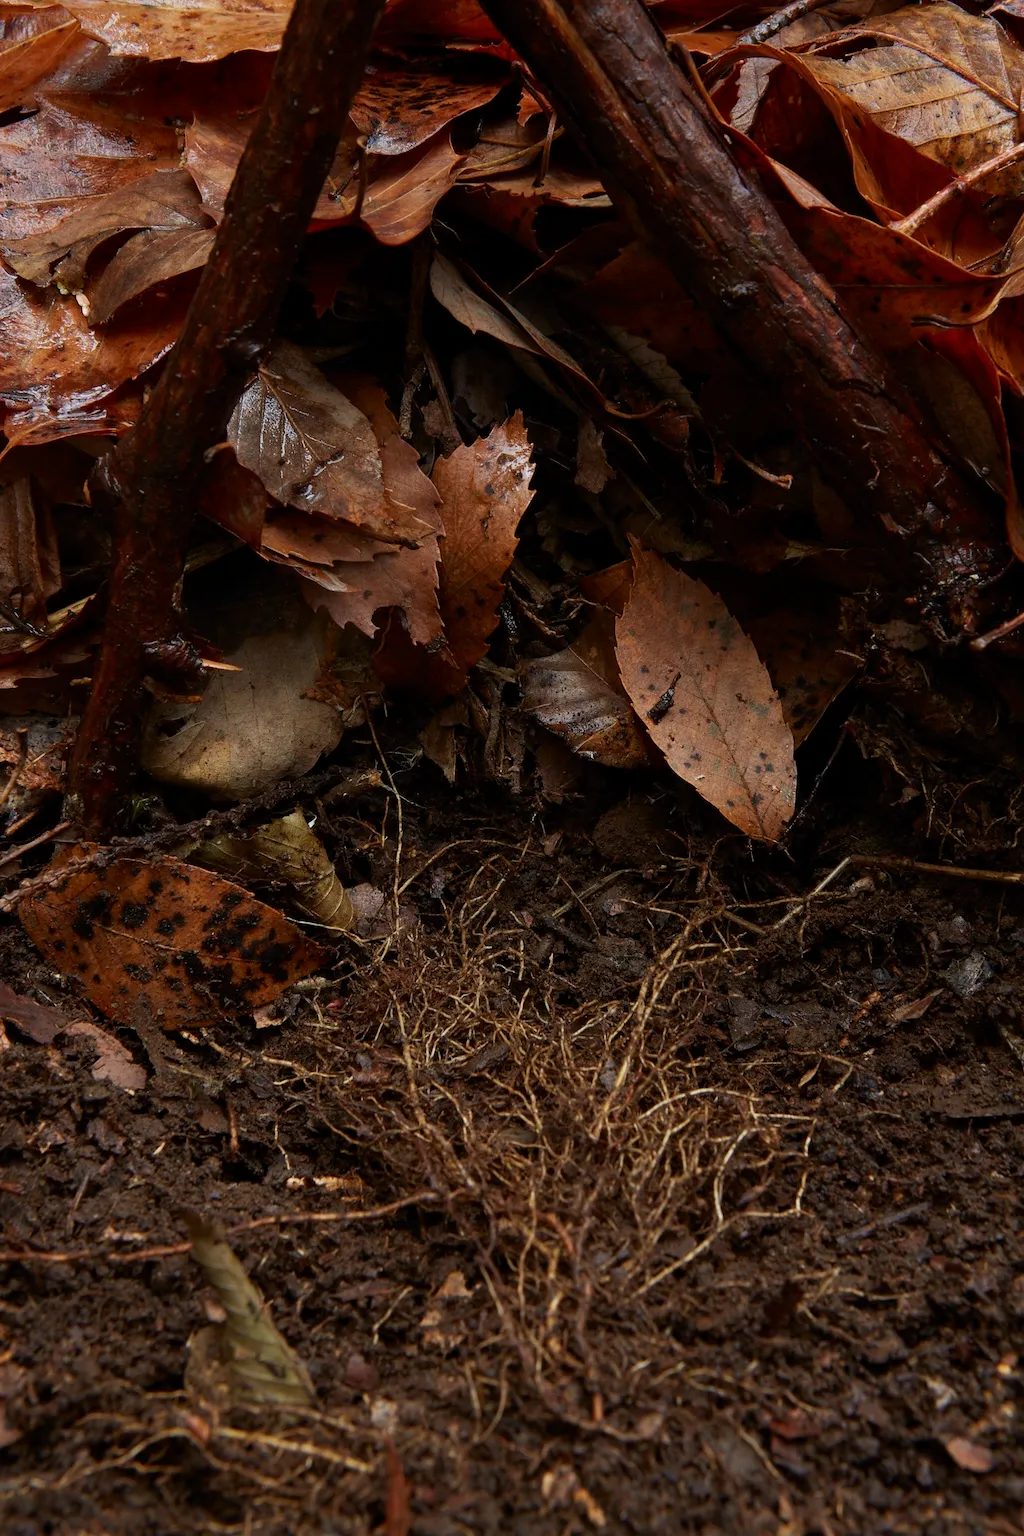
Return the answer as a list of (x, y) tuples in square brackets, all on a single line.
[(692, 1228)]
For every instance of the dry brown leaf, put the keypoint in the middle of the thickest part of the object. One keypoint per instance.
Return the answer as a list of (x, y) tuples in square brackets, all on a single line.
[(948, 82), (968, 1455), (144, 262), (485, 490), (705, 697), (177, 943), (354, 588), (404, 190), (199, 31), (314, 449), (114, 1062), (577, 694), (38, 1021)]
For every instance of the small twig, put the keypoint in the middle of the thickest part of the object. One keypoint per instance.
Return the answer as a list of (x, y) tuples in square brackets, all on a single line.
[(956, 188), (17, 770), (398, 802), (982, 642), (894, 1219), (23, 848), (770, 26)]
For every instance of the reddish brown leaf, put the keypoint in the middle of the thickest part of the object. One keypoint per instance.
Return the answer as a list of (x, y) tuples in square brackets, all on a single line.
[(403, 578), (114, 1062), (38, 1021), (397, 1510), (29, 559), (199, 31), (59, 251), (166, 941), (30, 46), (214, 141), (314, 449), (577, 694), (57, 375), (398, 109), (143, 262), (705, 697), (485, 489), (404, 190)]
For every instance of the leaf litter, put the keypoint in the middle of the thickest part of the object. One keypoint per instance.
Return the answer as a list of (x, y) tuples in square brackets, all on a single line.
[(450, 525)]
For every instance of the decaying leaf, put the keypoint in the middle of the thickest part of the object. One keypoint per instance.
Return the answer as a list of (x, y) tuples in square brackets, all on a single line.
[(155, 937), (577, 694), (114, 1062), (314, 449), (288, 851), (198, 31), (705, 697), (485, 489), (29, 564), (258, 1364)]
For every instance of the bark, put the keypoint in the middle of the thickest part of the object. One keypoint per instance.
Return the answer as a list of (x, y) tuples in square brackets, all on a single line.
[(670, 169), (149, 482)]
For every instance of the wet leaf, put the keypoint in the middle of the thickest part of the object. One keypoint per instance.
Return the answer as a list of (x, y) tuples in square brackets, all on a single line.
[(404, 191), (180, 944), (485, 490), (577, 694), (59, 252), (57, 376), (314, 449), (259, 1364), (198, 31), (396, 109), (705, 697), (29, 562), (26, 58)]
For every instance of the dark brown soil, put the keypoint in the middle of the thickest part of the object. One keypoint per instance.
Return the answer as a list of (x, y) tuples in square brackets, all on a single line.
[(705, 1231)]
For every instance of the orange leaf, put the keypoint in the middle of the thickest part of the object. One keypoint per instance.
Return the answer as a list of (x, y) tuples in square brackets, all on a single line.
[(485, 491), (705, 697), (181, 943)]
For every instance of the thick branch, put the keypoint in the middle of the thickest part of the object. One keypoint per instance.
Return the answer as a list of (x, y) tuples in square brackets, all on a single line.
[(671, 171), (149, 482)]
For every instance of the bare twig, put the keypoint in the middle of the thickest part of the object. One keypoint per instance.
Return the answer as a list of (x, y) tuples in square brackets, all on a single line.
[(149, 482), (956, 188), (771, 26)]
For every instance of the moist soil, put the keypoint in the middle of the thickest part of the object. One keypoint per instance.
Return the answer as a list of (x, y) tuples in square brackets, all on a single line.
[(690, 1224)]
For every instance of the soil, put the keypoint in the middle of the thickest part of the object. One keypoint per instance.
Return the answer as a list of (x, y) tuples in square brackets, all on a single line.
[(687, 1227)]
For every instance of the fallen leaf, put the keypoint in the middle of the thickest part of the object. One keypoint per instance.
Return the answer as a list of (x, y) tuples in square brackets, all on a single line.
[(29, 56), (197, 31), (285, 850), (114, 1062), (29, 561), (705, 697), (182, 944), (968, 1455), (38, 1021), (397, 108), (945, 80), (404, 191), (916, 1009), (58, 377), (259, 1364), (485, 490), (577, 694), (143, 262), (406, 579), (59, 251), (314, 449)]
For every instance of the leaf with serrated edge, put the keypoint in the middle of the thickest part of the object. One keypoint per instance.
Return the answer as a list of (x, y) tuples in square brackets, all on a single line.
[(705, 697)]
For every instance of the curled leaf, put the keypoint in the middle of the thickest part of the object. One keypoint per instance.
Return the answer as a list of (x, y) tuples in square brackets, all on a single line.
[(260, 1365), (286, 850)]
